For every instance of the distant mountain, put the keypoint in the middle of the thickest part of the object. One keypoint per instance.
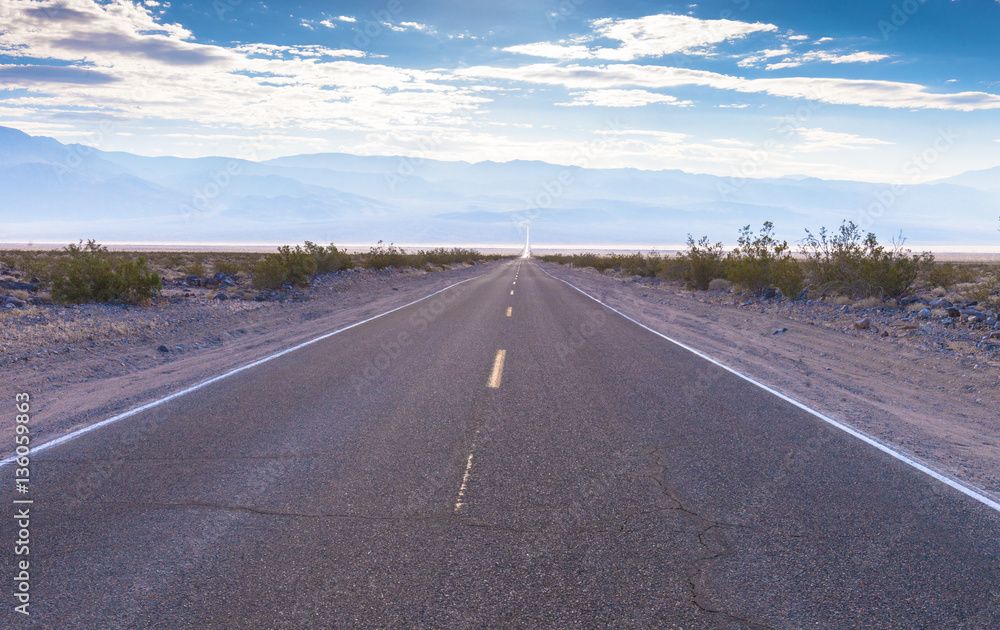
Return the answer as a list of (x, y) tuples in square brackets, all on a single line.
[(987, 180), (55, 192)]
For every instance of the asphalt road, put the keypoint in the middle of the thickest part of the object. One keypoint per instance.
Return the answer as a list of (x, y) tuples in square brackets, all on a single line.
[(401, 475)]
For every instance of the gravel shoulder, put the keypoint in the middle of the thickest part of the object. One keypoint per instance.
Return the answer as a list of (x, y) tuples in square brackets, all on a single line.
[(85, 363), (931, 391)]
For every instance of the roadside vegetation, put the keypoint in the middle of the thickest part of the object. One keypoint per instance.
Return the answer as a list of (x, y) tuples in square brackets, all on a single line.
[(89, 272), (846, 265)]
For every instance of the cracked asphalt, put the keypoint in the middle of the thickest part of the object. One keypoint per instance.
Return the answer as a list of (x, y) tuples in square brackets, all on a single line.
[(616, 481)]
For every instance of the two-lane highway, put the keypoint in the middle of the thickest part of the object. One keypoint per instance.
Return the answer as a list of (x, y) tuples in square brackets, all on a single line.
[(505, 454)]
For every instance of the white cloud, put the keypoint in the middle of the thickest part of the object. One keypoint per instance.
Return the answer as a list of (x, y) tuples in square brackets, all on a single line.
[(798, 38), (752, 60), (817, 139), (650, 36), (118, 57), (794, 61), (621, 98), (869, 93), (346, 18)]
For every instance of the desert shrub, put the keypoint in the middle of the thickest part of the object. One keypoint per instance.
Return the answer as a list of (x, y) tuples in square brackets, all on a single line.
[(720, 284), (848, 264), (328, 258), (228, 267), (90, 273), (287, 266), (701, 263), (381, 256), (195, 268), (948, 274), (672, 268), (760, 262), (440, 257)]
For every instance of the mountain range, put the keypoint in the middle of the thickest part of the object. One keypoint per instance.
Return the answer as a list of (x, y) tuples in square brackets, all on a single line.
[(55, 192)]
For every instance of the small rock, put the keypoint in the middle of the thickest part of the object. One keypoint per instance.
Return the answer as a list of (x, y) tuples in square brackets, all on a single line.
[(179, 348), (163, 349), (845, 308), (993, 335), (953, 312), (210, 283), (940, 303), (14, 301), (924, 313), (863, 324), (779, 331), (221, 296)]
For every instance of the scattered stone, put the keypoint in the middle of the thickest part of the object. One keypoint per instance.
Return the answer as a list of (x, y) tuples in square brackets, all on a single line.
[(779, 331), (940, 303), (863, 324), (14, 301), (845, 308), (18, 286), (953, 312), (163, 348), (210, 283), (925, 313), (221, 296), (973, 315)]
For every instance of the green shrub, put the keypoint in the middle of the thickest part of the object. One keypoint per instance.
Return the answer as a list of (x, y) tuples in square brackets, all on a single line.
[(328, 258), (761, 262), (382, 256), (92, 274), (288, 266), (195, 268), (854, 266), (228, 267), (702, 263), (948, 275)]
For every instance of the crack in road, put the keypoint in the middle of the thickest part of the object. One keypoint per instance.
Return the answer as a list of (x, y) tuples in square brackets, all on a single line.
[(715, 547)]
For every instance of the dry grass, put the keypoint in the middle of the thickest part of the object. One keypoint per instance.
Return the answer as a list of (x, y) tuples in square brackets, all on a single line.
[(61, 332), (869, 302)]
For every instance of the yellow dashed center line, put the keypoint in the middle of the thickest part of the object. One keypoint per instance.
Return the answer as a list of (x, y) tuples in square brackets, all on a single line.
[(497, 373), (510, 309)]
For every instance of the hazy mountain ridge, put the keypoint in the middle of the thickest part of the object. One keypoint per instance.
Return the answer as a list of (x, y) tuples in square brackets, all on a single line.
[(49, 190)]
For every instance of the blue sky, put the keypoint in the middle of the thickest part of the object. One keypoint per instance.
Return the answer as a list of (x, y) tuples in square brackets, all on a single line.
[(839, 90)]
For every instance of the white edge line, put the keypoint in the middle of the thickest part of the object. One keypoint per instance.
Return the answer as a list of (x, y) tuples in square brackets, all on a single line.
[(843, 427), (156, 403)]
